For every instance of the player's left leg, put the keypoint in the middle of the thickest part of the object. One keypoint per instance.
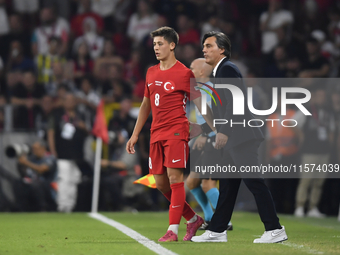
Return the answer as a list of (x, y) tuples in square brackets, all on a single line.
[(176, 156)]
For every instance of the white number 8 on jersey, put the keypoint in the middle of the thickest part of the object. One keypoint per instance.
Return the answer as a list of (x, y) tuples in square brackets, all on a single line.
[(157, 97)]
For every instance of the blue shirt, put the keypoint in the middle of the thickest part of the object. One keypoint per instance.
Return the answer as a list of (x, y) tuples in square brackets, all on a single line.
[(199, 118)]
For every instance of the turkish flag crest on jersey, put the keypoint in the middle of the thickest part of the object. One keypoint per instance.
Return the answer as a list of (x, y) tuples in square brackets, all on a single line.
[(169, 86)]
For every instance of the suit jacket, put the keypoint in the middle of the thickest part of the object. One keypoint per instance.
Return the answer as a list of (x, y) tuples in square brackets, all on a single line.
[(237, 134)]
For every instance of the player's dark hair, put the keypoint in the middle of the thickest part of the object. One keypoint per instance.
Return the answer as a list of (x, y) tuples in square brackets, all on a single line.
[(222, 41), (169, 34)]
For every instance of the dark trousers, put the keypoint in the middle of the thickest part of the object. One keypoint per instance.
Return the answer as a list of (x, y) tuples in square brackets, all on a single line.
[(243, 155)]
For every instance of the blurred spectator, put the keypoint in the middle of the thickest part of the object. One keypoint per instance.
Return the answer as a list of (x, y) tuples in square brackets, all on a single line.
[(43, 116), (141, 23), (2, 118), (59, 79), (229, 27), (62, 7), (316, 134), (315, 65), (108, 57), (119, 174), (105, 8), (122, 118), (95, 43), (16, 33), (27, 97), (39, 173), (45, 64), (66, 135), (1, 68), (327, 48), (122, 12), (16, 60), (293, 67), (26, 6), (334, 26), (77, 23), (117, 87), (121, 169), (88, 100), (102, 80), (3, 94), (186, 31), (12, 80), (211, 24), (82, 62), (62, 91), (4, 26), (271, 22), (132, 68), (187, 53), (51, 26), (277, 69)]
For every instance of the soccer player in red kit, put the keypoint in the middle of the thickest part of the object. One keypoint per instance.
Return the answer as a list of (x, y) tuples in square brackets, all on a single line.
[(167, 88)]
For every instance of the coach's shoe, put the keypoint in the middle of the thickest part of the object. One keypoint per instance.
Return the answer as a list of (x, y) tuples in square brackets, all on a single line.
[(204, 226), (210, 237), (273, 236), (192, 228), (169, 237)]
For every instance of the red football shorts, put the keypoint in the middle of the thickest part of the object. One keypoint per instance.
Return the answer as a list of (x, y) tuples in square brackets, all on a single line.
[(168, 153)]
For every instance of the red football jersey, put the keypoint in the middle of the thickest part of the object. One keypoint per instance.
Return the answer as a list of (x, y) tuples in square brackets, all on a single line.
[(168, 91)]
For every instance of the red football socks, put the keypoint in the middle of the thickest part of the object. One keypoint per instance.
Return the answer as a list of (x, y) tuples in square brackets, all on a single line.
[(178, 199)]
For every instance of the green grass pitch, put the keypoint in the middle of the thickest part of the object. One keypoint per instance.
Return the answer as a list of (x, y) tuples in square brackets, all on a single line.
[(78, 234)]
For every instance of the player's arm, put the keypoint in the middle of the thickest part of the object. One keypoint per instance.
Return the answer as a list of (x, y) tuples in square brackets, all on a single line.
[(143, 115)]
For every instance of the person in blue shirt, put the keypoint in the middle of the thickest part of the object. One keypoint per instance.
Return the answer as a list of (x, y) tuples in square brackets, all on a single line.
[(201, 185)]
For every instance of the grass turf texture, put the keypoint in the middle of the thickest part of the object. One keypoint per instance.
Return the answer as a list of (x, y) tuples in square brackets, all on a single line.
[(53, 233)]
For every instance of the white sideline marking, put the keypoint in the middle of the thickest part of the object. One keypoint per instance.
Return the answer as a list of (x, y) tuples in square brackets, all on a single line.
[(157, 248), (302, 248)]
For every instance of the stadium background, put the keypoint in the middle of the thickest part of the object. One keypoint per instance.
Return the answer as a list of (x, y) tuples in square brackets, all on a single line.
[(45, 54)]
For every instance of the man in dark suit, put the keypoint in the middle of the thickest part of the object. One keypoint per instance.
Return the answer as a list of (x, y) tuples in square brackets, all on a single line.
[(238, 145)]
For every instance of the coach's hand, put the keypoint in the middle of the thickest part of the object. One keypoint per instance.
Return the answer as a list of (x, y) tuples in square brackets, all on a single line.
[(130, 146), (195, 130), (221, 140)]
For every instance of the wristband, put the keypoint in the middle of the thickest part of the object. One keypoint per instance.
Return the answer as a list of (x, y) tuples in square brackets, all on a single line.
[(205, 128)]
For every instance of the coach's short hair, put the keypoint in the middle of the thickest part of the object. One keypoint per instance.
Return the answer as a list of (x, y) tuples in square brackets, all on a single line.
[(169, 34), (222, 41)]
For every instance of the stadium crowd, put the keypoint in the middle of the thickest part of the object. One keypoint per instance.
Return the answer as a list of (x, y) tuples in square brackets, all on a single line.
[(60, 58)]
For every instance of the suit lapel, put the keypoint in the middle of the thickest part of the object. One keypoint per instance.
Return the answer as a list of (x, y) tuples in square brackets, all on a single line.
[(220, 66)]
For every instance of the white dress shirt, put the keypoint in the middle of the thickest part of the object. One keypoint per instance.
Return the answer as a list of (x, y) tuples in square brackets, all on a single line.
[(215, 69)]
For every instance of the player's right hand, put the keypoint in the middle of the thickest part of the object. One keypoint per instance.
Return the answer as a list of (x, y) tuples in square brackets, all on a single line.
[(130, 146)]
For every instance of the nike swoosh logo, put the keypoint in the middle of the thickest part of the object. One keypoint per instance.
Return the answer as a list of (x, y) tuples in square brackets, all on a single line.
[(212, 236), (277, 233), (149, 84), (174, 161), (174, 206)]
